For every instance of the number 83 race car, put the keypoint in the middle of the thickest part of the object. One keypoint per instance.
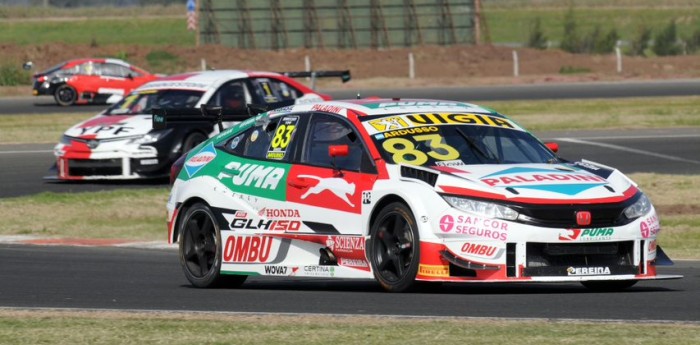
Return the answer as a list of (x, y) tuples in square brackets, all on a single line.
[(403, 191)]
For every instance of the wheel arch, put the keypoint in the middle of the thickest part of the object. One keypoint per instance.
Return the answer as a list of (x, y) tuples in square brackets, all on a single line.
[(383, 202), (181, 212)]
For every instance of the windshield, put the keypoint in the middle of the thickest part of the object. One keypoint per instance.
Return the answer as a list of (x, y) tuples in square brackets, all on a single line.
[(142, 102), (454, 139)]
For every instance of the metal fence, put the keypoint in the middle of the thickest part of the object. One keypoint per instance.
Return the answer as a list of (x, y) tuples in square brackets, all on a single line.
[(276, 24)]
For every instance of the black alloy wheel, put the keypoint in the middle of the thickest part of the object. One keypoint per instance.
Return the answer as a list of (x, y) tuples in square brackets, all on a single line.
[(200, 249), (65, 95), (193, 139), (394, 248)]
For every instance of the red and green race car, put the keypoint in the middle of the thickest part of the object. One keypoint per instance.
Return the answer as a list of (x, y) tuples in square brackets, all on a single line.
[(403, 191)]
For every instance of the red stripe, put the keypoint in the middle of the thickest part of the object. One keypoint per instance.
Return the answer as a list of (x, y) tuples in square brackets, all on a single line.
[(486, 195)]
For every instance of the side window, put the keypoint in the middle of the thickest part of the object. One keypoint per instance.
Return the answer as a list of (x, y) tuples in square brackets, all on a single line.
[(265, 91), (90, 68), (327, 130), (285, 91), (114, 70), (271, 140), (232, 95)]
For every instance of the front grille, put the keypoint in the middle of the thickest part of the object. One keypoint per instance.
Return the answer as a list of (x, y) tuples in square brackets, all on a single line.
[(554, 259), (564, 216), (90, 167)]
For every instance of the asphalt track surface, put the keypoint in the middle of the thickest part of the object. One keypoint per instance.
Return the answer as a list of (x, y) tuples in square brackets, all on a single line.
[(151, 279), (680, 87)]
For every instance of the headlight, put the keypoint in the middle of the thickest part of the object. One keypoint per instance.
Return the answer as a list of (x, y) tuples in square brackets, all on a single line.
[(150, 137), (639, 208), (65, 140), (482, 208)]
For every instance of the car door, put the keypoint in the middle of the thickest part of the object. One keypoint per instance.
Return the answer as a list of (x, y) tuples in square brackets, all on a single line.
[(116, 79), (332, 189)]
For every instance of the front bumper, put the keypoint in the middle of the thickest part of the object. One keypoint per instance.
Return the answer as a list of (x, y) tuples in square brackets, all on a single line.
[(116, 163)]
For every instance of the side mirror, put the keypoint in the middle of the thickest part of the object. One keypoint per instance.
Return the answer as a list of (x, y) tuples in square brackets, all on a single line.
[(27, 65), (130, 76), (338, 150), (554, 147)]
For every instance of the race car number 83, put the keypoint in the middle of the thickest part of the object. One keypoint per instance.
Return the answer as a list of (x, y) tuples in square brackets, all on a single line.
[(404, 150), (283, 135)]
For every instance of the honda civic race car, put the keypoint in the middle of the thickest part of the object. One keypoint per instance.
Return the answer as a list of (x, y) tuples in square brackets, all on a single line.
[(83, 81), (119, 143), (403, 191)]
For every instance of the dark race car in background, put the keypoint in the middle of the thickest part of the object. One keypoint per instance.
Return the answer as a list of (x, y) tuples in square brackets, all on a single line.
[(403, 191), (82, 81), (119, 143)]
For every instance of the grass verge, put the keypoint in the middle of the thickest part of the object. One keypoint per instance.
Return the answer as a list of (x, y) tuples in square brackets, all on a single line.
[(57, 327), (625, 113), (138, 214), (619, 113)]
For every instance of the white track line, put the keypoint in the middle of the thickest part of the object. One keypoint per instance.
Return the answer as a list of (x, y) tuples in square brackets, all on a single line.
[(627, 149), (332, 315), (29, 151)]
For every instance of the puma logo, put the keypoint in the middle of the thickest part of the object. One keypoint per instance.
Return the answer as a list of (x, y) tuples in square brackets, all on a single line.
[(335, 185)]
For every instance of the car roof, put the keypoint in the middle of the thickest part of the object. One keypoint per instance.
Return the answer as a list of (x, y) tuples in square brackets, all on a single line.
[(384, 106), (74, 62), (202, 80)]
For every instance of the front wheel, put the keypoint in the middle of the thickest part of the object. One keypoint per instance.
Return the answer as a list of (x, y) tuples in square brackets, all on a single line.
[(65, 95), (394, 248), (200, 249), (608, 285)]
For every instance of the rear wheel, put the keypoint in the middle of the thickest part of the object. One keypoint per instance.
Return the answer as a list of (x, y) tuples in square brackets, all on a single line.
[(192, 140), (200, 249), (608, 285), (393, 249), (65, 95)]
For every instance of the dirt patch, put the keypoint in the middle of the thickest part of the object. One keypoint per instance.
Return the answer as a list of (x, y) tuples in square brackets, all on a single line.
[(678, 209), (434, 65)]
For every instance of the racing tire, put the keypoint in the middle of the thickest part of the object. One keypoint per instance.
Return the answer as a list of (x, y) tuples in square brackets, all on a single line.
[(394, 248), (65, 95), (608, 285), (200, 250), (192, 140)]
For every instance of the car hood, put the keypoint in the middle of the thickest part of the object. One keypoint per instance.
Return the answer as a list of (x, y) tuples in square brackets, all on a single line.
[(111, 127), (579, 182)]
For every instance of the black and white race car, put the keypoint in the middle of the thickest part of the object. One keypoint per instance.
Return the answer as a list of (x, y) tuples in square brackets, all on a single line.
[(119, 143)]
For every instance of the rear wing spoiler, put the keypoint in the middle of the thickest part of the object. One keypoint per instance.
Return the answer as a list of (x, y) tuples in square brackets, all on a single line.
[(207, 115), (344, 75)]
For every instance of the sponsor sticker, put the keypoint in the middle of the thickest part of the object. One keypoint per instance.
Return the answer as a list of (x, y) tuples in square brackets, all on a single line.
[(200, 159), (346, 244), (318, 271), (550, 180), (594, 234), (434, 270), (247, 249), (650, 227), (587, 271), (473, 226)]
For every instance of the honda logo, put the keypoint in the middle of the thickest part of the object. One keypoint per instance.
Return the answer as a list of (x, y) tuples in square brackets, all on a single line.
[(583, 218)]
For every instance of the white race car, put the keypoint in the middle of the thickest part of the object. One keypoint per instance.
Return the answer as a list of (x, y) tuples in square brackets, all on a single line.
[(119, 143), (404, 191)]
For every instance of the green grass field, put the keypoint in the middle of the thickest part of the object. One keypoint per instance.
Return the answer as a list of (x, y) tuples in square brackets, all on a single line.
[(508, 21), (55, 327)]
